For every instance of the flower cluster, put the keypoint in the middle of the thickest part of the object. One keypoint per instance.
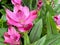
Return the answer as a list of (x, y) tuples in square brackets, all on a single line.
[(12, 37), (57, 20), (39, 5), (21, 18)]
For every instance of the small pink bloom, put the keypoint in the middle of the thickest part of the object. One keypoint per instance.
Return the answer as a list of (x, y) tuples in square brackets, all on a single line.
[(12, 36), (21, 17), (39, 5), (16, 2), (57, 19)]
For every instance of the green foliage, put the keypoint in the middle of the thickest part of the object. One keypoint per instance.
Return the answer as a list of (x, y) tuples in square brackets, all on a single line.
[(36, 31), (26, 39), (57, 6), (40, 41), (3, 1), (54, 40), (2, 31), (44, 31)]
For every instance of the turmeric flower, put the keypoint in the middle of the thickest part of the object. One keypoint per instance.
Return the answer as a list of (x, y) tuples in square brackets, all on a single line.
[(12, 36), (21, 17), (57, 19), (39, 4)]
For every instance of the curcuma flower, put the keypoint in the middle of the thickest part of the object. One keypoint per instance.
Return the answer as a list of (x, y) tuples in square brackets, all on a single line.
[(21, 17), (57, 19), (39, 4), (16, 2), (12, 37)]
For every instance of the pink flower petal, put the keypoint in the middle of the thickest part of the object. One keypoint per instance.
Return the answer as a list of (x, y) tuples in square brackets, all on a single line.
[(17, 7), (57, 19), (16, 2), (12, 22), (11, 15), (26, 11), (12, 36), (32, 16), (25, 27)]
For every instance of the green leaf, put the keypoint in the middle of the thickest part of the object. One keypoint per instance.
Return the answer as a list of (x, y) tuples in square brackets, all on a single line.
[(51, 26), (49, 31), (3, 18), (54, 40), (2, 30), (3, 23), (2, 11), (26, 2), (50, 9), (36, 31), (57, 9), (56, 2), (40, 41), (1, 41), (4, 1), (33, 4)]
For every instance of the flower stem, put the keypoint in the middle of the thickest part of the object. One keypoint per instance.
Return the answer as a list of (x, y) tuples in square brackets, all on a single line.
[(26, 39), (31, 4)]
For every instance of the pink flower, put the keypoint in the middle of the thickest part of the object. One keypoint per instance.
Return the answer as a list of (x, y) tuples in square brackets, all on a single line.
[(57, 19), (21, 17), (39, 5), (16, 2), (12, 36)]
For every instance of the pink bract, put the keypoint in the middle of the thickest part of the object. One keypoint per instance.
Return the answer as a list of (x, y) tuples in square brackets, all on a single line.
[(21, 17), (16, 2), (39, 4), (12, 36), (57, 19)]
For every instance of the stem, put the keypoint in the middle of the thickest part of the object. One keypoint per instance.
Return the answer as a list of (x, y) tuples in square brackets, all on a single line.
[(30, 4), (26, 39), (2, 24)]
